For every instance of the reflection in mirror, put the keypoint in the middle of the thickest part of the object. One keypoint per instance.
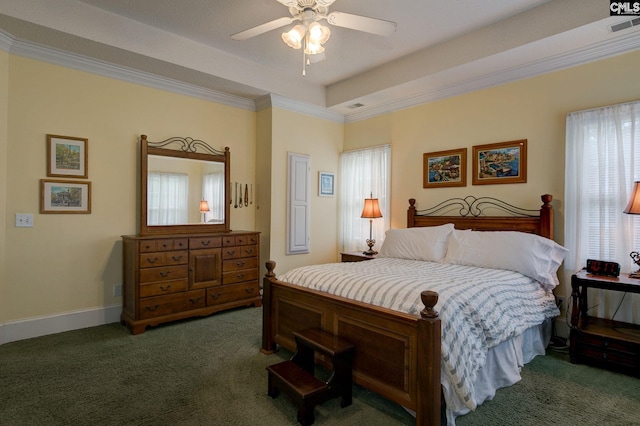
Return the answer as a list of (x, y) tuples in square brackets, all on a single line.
[(183, 187), (176, 187)]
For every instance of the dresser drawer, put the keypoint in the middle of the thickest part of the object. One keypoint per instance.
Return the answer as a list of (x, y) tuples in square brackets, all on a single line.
[(164, 244), (239, 240), (239, 251), (163, 287), (165, 273), (232, 293), (159, 258), (152, 307), (239, 276), (205, 242), (239, 264)]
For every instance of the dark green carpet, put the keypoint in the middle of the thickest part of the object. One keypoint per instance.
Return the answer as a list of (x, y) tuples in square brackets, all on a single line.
[(208, 371)]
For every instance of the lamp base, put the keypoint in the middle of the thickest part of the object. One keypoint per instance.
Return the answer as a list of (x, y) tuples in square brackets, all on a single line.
[(635, 274), (371, 251)]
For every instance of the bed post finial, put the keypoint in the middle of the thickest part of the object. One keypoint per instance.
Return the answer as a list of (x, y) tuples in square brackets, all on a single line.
[(143, 138), (429, 299), (270, 265), (411, 213), (546, 216)]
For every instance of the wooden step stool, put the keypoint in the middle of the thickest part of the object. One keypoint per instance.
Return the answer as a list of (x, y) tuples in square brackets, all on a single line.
[(296, 376)]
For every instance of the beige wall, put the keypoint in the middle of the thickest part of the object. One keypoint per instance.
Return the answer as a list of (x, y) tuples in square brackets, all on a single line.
[(4, 100), (534, 109), (322, 140), (65, 262)]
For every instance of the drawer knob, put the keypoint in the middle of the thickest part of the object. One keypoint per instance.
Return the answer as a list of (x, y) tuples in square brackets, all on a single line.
[(165, 274), (240, 276), (165, 288), (231, 252), (152, 308), (215, 296), (152, 261), (176, 258), (205, 243), (249, 290), (240, 263), (194, 299)]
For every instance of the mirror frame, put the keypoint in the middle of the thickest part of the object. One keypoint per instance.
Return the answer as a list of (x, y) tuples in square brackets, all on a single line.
[(178, 147)]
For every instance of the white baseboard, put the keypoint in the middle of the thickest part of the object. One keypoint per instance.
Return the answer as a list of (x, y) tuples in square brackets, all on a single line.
[(58, 323)]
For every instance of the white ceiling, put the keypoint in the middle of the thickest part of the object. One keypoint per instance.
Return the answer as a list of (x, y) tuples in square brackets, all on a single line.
[(440, 47)]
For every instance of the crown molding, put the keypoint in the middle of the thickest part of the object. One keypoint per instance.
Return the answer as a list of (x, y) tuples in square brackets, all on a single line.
[(595, 52), (273, 100), (81, 63)]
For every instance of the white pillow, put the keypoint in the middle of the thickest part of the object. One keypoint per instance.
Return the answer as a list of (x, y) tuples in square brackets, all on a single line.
[(531, 255), (427, 243)]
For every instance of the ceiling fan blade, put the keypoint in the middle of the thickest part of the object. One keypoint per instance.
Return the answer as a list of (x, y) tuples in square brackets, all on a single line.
[(361, 23), (260, 29), (289, 3), (295, 4)]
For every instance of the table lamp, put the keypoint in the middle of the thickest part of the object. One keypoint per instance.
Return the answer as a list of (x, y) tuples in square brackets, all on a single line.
[(371, 211), (204, 208), (633, 207)]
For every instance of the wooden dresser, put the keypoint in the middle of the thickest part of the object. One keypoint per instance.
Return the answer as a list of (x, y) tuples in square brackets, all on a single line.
[(171, 277)]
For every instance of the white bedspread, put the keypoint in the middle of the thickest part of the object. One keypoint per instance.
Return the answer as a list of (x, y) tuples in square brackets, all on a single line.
[(479, 308)]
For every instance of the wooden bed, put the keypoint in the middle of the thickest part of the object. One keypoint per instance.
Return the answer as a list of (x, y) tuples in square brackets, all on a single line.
[(397, 355)]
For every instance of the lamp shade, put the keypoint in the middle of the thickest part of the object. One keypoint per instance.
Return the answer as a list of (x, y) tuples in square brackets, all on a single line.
[(204, 206), (371, 209), (633, 207), (293, 38)]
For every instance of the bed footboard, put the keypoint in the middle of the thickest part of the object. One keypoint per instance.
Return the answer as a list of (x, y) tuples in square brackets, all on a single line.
[(397, 355)]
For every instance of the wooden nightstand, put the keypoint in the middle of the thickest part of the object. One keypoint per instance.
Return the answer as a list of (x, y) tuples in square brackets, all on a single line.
[(355, 256), (602, 342)]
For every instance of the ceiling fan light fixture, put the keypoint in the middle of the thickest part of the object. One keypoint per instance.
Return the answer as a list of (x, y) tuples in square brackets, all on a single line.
[(318, 34), (293, 38), (313, 48)]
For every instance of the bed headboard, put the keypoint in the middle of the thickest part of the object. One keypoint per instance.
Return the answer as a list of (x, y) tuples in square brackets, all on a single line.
[(471, 215)]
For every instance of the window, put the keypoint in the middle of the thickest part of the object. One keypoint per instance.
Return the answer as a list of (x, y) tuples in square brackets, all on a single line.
[(363, 173), (167, 198), (602, 163), (213, 193)]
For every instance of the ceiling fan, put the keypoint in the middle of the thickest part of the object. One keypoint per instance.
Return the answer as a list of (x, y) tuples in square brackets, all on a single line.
[(310, 34)]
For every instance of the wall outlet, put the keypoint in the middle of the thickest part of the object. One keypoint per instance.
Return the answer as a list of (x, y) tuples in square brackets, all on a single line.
[(560, 302), (117, 290), (24, 220)]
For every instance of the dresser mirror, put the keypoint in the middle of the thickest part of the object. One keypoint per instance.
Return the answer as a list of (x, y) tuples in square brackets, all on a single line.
[(183, 187)]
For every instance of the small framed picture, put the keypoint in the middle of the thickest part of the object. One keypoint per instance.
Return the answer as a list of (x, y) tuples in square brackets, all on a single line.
[(503, 162), (326, 184), (60, 196), (445, 168), (67, 156)]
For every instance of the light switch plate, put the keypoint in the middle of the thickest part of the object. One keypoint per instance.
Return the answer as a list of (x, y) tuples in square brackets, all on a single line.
[(24, 220)]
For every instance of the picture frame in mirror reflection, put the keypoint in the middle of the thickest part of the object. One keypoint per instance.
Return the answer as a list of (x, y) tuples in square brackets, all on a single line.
[(326, 184), (67, 156)]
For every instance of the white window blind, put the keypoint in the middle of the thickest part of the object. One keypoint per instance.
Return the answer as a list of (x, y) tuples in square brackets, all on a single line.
[(602, 163), (167, 198), (362, 173), (213, 193)]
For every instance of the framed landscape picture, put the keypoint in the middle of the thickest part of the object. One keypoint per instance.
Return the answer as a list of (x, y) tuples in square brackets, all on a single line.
[(504, 162), (60, 196), (67, 156), (444, 169)]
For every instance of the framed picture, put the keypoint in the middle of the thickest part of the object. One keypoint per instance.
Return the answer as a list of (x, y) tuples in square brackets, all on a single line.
[(444, 168), (326, 184), (67, 156), (504, 162), (60, 196)]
